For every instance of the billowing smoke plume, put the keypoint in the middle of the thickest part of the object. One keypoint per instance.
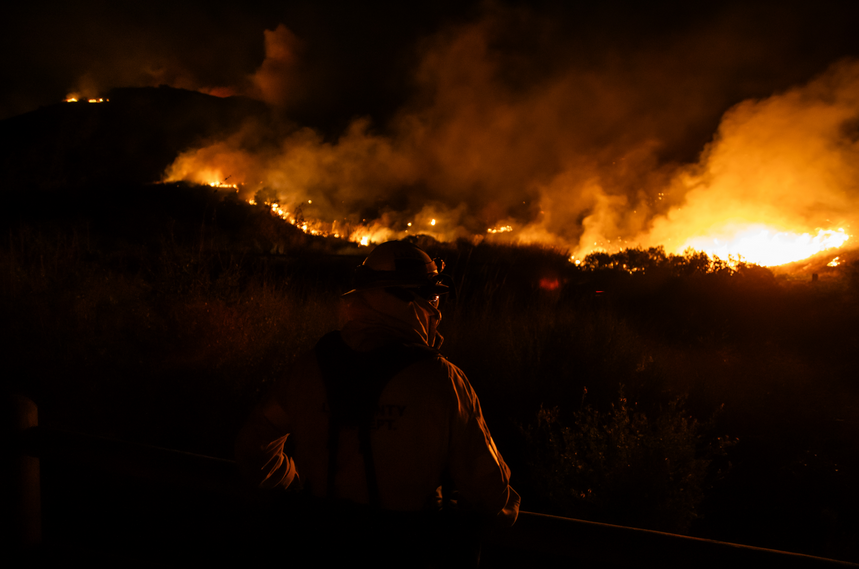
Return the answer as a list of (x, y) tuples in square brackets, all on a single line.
[(275, 81), (569, 152), (790, 161)]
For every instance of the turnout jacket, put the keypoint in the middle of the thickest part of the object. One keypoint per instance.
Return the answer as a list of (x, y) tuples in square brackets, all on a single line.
[(427, 425)]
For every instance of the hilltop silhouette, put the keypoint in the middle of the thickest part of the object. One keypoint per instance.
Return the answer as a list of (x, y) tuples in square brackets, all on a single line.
[(132, 137)]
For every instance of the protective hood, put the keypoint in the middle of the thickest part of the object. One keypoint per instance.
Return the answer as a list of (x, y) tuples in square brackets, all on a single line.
[(375, 318)]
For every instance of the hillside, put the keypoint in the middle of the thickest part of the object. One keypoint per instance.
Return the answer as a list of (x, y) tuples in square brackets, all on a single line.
[(132, 137)]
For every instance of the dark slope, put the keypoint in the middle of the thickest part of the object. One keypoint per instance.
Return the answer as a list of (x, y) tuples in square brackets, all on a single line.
[(131, 138)]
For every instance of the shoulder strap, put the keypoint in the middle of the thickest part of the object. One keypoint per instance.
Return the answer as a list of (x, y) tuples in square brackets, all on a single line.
[(354, 381)]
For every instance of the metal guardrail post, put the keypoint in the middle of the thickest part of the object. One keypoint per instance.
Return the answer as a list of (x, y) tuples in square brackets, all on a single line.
[(22, 492)]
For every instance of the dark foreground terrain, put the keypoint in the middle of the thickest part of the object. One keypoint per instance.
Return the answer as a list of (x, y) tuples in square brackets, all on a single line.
[(639, 389)]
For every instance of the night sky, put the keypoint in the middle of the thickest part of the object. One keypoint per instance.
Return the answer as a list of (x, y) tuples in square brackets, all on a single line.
[(350, 59)]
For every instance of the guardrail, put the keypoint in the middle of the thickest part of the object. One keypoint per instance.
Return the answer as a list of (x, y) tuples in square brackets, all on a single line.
[(118, 501)]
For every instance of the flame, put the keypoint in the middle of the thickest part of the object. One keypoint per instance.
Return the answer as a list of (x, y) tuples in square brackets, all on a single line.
[(363, 235), (766, 246), (753, 243), (76, 98), (470, 159), (833, 263), (224, 184)]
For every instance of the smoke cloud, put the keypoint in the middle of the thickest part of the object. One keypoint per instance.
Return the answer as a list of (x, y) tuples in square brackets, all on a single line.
[(275, 81), (788, 161), (512, 124)]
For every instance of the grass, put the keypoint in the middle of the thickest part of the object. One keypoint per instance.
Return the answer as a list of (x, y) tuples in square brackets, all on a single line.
[(160, 314)]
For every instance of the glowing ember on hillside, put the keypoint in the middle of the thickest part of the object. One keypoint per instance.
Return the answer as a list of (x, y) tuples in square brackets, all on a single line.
[(223, 184), (765, 246), (75, 99), (364, 235), (752, 243)]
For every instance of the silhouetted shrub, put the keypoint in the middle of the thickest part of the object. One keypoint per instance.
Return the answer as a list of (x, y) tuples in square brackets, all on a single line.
[(161, 313), (622, 467)]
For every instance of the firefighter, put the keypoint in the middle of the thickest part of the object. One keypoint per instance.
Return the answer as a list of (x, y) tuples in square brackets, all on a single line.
[(386, 436)]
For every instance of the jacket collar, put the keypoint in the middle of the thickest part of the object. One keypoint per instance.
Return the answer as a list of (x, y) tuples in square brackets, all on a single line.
[(375, 318)]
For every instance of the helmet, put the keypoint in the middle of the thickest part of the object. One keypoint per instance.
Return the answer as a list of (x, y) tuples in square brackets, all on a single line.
[(399, 264)]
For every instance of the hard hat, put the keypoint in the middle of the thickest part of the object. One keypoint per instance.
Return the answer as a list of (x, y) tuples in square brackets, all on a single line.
[(400, 264)]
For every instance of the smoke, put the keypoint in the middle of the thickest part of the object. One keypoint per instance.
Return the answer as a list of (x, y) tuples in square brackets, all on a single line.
[(478, 146), (513, 123), (788, 161), (275, 81)]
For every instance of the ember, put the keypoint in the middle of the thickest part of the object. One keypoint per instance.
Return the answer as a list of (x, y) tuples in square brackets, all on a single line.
[(75, 99)]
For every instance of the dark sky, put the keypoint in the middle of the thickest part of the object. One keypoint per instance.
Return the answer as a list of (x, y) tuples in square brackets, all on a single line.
[(355, 58), (346, 52)]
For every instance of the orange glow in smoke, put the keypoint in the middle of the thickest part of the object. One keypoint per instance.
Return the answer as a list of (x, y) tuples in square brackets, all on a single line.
[(776, 183)]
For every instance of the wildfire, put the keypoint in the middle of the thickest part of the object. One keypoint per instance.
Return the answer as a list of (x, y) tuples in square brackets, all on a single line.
[(75, 99), (224, 184), (766, 246), (754, 243), (364, 235), (774, 185), (759, 244)]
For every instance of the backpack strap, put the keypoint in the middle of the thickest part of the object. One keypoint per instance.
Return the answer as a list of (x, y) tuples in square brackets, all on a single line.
[(354, 381)]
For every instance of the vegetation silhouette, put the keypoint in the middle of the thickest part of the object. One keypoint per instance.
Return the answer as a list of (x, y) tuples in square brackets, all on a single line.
[(622, 468), (159, 313)]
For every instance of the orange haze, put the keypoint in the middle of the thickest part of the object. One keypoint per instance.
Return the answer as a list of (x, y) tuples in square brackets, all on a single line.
[(569, 156)]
